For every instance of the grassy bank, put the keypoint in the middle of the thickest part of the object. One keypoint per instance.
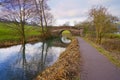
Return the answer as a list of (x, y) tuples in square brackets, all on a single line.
[(109, 55), (67, 66), (10, 34)]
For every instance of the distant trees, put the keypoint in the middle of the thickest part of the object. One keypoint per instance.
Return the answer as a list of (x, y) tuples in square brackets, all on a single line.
[(102, 21), (66, 23), (87, 25)]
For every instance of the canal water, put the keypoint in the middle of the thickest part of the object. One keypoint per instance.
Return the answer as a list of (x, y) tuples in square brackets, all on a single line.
[(16, 65)]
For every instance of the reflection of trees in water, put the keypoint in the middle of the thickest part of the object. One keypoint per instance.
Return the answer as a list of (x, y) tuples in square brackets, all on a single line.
[(27, 67), (41, 61)]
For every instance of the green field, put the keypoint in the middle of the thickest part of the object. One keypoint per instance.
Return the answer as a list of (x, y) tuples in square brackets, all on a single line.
[(112, 36), (7, 33), (66, 32)]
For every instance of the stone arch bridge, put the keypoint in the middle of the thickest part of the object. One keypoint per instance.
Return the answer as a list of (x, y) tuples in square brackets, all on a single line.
[(58, 30)]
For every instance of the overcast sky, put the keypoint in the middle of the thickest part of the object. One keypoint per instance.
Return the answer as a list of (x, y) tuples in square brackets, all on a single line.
[(77, 10)]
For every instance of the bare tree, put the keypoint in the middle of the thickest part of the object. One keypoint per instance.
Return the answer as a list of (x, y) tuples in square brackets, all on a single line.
[(18, 12), (43, 13), (102, 21), (50, 19)]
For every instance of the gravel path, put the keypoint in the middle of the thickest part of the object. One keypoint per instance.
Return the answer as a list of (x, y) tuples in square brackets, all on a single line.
[(94, 65)]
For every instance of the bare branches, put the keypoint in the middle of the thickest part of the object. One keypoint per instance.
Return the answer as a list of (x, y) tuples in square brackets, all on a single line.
[(18, 12), (43, 13)]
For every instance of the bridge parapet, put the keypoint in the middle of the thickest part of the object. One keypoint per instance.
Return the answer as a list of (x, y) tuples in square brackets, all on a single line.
[(73, 30)]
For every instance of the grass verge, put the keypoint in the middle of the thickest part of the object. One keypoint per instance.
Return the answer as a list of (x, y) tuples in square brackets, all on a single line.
[(10, 34), (67, 66), (113, 59)]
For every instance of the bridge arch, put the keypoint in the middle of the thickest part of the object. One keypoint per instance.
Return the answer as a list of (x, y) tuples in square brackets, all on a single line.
[(65, 35), (65, 31)]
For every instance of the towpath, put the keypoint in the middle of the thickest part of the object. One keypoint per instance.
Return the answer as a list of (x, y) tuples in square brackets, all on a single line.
[(96, 66)]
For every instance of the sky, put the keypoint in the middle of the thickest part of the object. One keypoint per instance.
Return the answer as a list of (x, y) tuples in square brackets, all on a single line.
[(74, 11)]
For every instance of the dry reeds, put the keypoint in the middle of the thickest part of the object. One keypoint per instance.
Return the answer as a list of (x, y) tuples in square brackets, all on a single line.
[(67, 66)]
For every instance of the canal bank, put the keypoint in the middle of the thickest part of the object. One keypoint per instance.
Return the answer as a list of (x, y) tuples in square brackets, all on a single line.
[(9, 43), (67, 67), (33, 39)]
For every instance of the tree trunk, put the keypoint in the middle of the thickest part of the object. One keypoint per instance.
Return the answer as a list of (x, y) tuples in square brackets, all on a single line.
[(97, 36), (43, 10), (39, 9), (41, 17)]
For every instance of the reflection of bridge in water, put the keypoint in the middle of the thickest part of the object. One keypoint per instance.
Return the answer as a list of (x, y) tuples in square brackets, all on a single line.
[(65, 40), (73, 30)]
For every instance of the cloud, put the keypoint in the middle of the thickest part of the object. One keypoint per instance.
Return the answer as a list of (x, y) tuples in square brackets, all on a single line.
[(69, 10), (70, 13), (72, 21), (114, 11), (96, 2)]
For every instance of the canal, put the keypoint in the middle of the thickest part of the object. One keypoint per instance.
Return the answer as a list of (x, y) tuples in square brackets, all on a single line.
[(18, 65)]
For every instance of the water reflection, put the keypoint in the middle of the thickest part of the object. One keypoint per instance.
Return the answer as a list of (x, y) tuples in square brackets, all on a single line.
[(25, 62), (66, 36), (65, 40)]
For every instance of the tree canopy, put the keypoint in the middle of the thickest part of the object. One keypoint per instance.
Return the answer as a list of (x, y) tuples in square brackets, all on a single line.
[(103, 21)]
